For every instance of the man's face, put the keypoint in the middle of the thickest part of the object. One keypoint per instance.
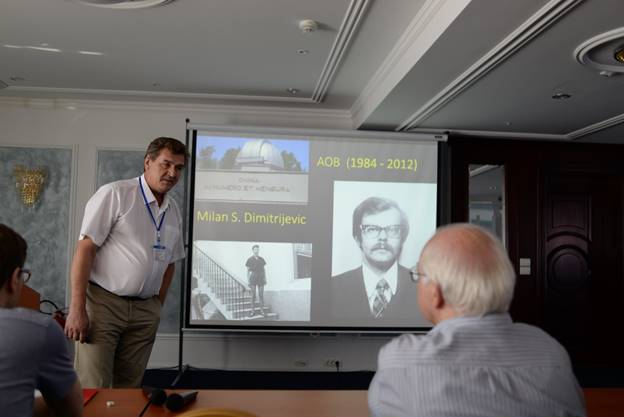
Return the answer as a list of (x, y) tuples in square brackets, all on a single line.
[(256, 250), (381, 250), (163, 172)]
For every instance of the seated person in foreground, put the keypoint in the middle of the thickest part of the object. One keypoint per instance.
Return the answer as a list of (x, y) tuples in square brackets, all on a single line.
[(33, 348), (475, 361)]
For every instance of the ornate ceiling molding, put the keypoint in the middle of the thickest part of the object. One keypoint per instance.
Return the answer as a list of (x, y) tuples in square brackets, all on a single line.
[(434, 17), (596, 127), (546, 16), (348, 29)]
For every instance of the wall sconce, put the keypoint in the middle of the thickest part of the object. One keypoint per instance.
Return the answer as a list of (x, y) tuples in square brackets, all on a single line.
[(29, 184)]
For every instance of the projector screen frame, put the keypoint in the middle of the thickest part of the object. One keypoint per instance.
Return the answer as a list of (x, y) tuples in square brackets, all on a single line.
[(252, 131)]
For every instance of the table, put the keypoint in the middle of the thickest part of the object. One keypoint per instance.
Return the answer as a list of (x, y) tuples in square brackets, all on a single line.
[(263, 403), (601, 402), (604, 402)]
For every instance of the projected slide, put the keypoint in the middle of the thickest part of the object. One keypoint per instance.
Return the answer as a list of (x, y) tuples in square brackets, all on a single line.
[(252, 170), (308, 232)]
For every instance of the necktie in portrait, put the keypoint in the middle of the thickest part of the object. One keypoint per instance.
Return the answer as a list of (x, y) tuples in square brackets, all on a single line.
[(382, 298)]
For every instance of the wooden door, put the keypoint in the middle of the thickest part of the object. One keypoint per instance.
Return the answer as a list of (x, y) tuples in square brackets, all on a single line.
[(582, 260)]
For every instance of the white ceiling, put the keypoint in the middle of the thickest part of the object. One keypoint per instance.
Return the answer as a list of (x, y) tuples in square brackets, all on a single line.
[(480, 67)]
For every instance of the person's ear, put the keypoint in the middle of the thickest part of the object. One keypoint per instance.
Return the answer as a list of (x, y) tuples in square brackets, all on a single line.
[(146, 162), (12, 283), (437, 297)]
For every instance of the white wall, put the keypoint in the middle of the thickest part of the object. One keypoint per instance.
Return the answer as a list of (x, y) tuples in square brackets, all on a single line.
[(88, 125)]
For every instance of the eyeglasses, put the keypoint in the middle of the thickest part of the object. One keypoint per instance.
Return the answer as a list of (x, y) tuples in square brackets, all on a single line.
[(415, 275), (372, 231), (25, 275)]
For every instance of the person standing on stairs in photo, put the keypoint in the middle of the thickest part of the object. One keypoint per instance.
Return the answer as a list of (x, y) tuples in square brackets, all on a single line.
[(256, 276)]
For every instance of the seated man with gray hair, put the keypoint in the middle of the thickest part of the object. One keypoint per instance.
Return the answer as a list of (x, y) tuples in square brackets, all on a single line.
[(475, 361)]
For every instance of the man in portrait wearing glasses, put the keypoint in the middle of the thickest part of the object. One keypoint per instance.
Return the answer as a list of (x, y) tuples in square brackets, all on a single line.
[(130, 239), (380, 288), (33, 349)]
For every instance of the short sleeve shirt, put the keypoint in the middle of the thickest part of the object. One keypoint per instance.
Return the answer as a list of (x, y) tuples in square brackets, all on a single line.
[(256, 265), (117, 220)]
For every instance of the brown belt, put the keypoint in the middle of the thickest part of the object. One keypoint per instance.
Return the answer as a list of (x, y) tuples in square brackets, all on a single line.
[(125, 297)]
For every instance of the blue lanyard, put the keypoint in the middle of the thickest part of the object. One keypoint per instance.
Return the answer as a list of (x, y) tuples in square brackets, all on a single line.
[(149, 210)]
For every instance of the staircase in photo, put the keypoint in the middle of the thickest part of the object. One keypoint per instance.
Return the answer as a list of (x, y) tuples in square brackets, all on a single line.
[(230, 295)]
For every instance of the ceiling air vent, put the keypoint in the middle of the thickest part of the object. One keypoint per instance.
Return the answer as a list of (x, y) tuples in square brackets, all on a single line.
[(124, 4)]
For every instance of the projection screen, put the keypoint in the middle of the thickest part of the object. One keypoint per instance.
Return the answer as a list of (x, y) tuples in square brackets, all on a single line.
[(296, 230)]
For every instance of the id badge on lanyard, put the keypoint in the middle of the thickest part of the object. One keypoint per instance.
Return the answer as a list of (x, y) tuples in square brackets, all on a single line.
[(158, 248), (159, 252)]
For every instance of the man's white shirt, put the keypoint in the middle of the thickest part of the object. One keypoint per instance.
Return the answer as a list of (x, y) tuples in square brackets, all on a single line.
[(117, 221)]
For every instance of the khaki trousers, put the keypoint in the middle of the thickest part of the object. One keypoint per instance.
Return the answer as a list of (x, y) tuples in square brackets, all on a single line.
[(120, 339)]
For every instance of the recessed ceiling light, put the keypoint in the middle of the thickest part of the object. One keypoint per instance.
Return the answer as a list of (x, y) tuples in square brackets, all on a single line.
[(41, 48), (36, 48), (561, 96), (90, 53), (303, 51), (604, 52), (124, 4), (292, 90)]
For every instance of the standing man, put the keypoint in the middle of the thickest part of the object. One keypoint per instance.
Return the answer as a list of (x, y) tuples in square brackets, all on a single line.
[(130, 239), (476, 360), (380, 288), (33, 349), (256, 278)]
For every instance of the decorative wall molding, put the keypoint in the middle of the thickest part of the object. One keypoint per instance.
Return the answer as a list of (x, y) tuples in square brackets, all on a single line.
[(155, 95), (72, 236), (346, 33), (541, 20), (45, 226), (226, 109), (434, 17)]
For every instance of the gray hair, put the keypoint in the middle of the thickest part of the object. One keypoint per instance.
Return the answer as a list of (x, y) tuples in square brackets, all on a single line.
[(472, 269), (157, 145)]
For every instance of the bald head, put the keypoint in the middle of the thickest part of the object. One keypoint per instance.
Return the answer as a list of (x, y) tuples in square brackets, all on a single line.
[(471, 268)]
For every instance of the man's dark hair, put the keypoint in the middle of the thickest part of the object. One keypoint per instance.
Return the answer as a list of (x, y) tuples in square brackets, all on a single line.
[(175, 146), (374, 205), (255, 246), (12, 252)]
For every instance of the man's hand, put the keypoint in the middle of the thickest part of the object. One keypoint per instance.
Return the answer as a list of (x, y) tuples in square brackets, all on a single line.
[(77, 325)]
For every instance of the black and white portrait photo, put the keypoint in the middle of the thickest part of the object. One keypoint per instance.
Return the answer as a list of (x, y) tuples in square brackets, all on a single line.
[(379, 230)]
